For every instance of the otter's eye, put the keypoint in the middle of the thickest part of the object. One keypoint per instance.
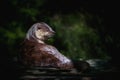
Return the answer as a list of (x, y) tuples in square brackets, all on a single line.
[(39, 28)]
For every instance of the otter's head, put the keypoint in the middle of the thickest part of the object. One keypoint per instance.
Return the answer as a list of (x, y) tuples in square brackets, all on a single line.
[(39, 32)]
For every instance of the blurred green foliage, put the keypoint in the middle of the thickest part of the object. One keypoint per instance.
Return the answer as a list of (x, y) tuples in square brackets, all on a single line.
[(77, 39), (74, 37)]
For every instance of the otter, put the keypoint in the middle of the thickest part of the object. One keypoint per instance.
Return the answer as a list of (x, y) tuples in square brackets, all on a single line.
[(35, 52)]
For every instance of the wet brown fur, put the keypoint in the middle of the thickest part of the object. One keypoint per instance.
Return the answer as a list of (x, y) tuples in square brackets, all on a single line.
[(32, 55)]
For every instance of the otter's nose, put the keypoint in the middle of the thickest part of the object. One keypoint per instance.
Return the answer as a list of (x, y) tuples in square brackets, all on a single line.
[(53, 32)]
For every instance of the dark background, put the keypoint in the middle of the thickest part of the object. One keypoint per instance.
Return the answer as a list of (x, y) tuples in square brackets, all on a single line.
[(14, 13)]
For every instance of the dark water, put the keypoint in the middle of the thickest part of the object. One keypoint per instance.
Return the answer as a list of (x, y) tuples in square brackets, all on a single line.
[(14, 71)]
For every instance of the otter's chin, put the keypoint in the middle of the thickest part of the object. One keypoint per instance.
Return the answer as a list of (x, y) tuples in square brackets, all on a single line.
[(50, 36), (47, 37)]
